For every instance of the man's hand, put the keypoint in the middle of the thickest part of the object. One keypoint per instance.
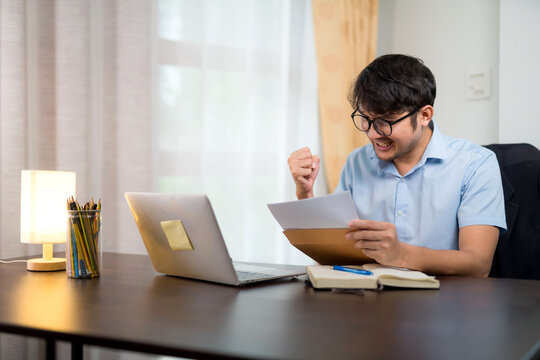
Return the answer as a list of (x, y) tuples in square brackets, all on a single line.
[(304, 170), (377, 239)]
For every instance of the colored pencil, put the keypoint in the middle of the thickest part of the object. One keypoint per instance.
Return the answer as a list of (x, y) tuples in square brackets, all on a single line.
[(84, 237)]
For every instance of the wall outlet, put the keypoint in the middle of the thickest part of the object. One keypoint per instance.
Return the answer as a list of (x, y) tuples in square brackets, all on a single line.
[(478, 85)]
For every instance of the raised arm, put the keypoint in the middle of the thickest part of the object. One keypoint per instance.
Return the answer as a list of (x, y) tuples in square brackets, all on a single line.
[(304, 169)]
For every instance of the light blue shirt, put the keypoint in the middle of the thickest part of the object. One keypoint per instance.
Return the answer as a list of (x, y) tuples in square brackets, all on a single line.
[(455, 184)]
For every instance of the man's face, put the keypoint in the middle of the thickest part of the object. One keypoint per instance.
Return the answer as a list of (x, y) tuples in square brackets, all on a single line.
[(401, 142)]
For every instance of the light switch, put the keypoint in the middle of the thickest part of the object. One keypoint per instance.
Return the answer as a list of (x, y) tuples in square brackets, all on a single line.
[(478, 85)]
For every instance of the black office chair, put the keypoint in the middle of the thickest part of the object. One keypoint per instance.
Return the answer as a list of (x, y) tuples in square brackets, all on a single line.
[(518, 250)]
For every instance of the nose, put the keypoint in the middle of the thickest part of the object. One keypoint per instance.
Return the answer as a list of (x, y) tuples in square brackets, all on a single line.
[(372, 133)]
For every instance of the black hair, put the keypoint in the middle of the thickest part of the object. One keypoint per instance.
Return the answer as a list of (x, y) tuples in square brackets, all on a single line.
[(393, 83)]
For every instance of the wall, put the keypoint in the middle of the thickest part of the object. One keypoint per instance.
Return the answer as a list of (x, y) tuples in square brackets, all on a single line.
[(453, 38), (520, 72)]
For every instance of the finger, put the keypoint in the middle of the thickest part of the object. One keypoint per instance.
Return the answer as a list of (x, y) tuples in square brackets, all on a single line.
[(367, 224), (302, 172), (303, 153), (302, 180), (304, 163), (366, 246), (316, 165), (367, 235)]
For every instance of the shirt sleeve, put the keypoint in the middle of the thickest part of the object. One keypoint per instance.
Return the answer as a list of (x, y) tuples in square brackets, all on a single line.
[(482, 198)]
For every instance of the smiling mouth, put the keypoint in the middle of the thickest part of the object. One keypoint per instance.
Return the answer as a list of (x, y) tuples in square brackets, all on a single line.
[(383, 143)]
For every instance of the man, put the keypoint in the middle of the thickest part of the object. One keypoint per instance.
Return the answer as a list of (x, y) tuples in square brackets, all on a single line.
[(425, 201)]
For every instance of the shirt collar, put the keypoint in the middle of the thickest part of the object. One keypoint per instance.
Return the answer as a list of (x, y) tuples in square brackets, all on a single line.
[(437, 147)]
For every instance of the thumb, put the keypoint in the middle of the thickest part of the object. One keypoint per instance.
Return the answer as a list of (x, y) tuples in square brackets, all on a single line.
[(315, 166)]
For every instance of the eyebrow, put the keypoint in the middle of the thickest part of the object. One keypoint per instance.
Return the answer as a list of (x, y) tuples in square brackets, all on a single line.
[(362, 114), (372, 119)]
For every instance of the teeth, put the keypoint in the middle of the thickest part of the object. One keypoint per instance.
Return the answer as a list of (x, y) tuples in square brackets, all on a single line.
[(384, 143)]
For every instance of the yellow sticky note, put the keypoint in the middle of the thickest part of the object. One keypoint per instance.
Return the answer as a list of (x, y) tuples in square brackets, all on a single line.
[(176, 235)]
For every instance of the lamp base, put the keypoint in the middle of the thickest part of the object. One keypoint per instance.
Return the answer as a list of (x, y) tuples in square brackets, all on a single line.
[(40, 264)]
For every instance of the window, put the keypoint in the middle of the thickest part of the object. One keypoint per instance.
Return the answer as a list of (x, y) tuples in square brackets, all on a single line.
[(237, 93)]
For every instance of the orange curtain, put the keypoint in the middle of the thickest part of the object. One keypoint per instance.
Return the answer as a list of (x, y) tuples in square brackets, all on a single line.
[(345, 40)]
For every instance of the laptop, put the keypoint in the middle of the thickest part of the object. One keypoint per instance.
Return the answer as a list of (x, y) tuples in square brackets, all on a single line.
[(183, 238)]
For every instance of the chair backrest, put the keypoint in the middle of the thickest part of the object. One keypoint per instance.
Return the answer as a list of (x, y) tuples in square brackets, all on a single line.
[(518, 250)]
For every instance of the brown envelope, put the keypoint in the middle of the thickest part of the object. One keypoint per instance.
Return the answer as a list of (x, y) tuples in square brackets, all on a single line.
[(327, 246)]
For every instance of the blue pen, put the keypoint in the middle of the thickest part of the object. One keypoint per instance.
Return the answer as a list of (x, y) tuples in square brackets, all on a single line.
[(351, 270)]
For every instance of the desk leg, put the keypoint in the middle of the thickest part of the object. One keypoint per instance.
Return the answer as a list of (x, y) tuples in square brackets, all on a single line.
[(50, 349), (76, 351)]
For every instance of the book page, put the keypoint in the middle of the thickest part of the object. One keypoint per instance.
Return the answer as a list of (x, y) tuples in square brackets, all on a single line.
[(400, 277), (381, 270), (322, 276)]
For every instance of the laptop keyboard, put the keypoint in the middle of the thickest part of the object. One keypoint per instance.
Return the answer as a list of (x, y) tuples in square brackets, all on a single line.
[(251, 276)]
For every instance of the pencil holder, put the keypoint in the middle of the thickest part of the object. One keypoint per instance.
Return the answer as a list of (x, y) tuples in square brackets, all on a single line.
[(83, 247)]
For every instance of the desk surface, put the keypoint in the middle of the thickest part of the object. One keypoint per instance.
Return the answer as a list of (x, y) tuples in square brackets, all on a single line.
[(132, 307)]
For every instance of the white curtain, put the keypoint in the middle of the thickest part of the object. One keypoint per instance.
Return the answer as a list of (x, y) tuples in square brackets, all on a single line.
[(76, 94), (237, 93), (167, 96)]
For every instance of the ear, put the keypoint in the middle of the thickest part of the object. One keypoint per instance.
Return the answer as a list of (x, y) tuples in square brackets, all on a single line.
[(424, 115)]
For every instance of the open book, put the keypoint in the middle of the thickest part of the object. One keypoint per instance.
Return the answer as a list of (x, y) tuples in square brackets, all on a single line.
[(325, 277)]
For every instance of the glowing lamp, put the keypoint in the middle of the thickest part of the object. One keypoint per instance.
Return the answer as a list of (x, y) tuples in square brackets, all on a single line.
[(44, 197)]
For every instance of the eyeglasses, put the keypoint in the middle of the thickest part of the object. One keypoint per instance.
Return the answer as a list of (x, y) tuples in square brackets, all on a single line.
[(381, 126)]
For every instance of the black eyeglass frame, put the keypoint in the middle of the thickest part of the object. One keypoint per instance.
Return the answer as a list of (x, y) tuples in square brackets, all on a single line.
[(372, 122)]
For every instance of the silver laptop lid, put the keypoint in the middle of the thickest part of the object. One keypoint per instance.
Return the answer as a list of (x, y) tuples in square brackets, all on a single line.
[(158, 217)]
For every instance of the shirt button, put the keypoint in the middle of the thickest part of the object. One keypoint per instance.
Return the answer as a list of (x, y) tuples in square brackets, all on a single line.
[(400, 212)]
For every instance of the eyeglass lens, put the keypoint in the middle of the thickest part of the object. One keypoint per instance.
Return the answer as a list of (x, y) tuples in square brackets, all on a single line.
[(381, 126)]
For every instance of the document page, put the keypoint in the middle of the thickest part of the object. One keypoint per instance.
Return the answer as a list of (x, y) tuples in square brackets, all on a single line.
[(328, 211)]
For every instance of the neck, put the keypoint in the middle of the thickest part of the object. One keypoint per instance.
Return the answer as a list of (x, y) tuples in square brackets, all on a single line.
[(407, 161)]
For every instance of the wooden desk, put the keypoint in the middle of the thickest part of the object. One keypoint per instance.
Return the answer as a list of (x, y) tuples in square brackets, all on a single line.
[(132, 307)]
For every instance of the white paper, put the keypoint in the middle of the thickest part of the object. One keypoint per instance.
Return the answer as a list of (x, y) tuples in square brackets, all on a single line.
[(328, 211)]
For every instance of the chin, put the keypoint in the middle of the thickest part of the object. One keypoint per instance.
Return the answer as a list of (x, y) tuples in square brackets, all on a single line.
[(388, 155), (388, 158)]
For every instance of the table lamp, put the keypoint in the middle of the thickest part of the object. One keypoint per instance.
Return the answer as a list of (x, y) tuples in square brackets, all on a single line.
[(44, 197)]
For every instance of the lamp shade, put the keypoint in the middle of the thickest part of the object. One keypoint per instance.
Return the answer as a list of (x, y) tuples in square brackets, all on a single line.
[(44, 197)]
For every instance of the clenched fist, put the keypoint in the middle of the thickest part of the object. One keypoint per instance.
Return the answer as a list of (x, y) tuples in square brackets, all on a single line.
[(304, 169)]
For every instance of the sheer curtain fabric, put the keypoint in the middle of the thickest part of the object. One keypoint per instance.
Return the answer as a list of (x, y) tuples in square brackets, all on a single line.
[(170, 96)]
